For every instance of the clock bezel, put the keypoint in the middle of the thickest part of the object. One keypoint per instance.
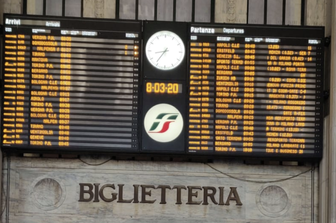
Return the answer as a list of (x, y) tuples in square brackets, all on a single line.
[(151, 72), (153, 37)]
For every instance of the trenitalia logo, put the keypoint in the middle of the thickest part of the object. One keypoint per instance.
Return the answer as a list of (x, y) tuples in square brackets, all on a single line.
[(163, 123), (162, 126)]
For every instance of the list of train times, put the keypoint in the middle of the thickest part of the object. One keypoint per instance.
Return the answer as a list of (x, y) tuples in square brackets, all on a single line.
[(255, 90), (70, 83)]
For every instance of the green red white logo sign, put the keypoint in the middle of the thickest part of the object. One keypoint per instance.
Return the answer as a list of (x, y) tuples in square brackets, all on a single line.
[(163, 123)]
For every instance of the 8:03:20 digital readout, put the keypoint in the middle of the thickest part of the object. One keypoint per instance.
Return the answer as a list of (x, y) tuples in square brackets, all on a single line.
[(163, 88)]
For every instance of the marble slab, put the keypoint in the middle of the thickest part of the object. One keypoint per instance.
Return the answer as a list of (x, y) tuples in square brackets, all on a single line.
[(231, 11), (48, 190), (165, 10)]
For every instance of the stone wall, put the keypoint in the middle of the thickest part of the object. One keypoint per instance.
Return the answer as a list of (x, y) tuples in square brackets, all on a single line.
[(48, 190)]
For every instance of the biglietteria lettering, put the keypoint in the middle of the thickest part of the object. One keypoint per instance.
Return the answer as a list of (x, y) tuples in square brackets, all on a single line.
[(193, 195)]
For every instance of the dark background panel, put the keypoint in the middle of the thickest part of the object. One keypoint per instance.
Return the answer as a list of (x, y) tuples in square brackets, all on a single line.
[(176, 100), (149, 71)]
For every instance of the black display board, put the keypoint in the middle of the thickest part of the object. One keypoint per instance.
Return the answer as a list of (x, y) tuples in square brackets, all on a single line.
[(160, 87), (256, 90), (70, 83)]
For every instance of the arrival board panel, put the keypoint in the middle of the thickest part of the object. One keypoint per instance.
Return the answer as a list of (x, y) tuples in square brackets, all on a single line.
[(255, 90), (71, 88)]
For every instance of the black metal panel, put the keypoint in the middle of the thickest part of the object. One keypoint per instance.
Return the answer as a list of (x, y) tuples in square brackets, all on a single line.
[(44, 7), (174, 10), (155, 9), (63, 7), (284, 12), (24, 7), (117, 8), (193, 8), (82, 9), (136, 9), (87, 85), (303, 12), (265, 12)]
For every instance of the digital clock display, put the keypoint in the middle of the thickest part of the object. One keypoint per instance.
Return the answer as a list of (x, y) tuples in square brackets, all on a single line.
[(163, 88)]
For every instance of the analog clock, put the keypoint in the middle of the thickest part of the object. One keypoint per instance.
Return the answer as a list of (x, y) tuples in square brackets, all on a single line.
[(165, 50)]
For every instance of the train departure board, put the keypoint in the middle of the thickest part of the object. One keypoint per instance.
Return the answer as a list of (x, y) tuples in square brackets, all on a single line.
[(171, 88), (255, 90), (70, 83)]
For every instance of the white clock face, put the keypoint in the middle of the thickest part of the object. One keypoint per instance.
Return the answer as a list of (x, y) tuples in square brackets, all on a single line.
[(165, 50)]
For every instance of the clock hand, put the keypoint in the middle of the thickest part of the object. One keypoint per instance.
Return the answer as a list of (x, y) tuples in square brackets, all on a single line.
[(165, 51), (160, 51)]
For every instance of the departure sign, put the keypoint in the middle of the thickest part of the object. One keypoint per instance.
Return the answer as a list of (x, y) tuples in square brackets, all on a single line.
[(148, 87), (255, 90), (70, 87)]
